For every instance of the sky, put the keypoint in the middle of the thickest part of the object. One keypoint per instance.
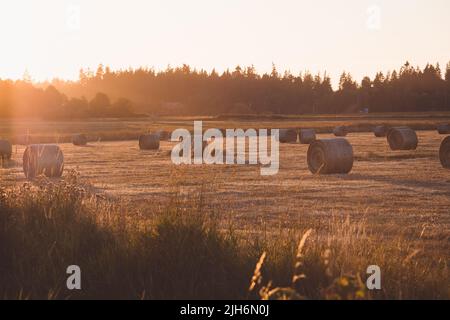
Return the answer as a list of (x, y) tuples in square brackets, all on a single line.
[(55, 38)]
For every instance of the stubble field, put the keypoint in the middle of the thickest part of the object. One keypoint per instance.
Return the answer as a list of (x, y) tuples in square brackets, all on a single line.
[(392, 209), (390, 189)]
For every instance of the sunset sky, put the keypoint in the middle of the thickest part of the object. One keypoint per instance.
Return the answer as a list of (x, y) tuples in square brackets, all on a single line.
[(55, 38)]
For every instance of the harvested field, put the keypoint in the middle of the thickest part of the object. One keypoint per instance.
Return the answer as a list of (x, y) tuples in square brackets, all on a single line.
[(390, 189), (127, 129), (390, 210)]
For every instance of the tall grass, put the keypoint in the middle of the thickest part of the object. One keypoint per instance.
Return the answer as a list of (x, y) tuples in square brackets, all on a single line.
[(182, 252), (46, 227)]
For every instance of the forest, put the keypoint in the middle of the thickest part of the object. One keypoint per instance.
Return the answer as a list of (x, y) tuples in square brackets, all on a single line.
[(187, 91)]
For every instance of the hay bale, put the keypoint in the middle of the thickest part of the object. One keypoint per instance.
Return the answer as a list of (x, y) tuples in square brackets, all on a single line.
[(444, 153), (340, 131), (46, 159), (79, 139), (328, 156), (443, 129), (288, 135), (380, 131), (149, 141), (307, 136), (402, 138), (5, 150)]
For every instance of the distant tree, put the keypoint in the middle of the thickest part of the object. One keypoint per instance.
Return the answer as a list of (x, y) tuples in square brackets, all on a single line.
[(6, 98), (365, 92), (99, 105), (26, 77), (447, 86), (53, 101), (447, 73), (122, 107), (346, 96), (82, 78), (77, 108), (274, 74), (237, 73), (100, 72)]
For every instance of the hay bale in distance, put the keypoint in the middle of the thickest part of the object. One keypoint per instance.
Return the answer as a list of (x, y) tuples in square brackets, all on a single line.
[(402, 138), (444, 153), (46, 159), (328, 156), (307, 136), (340, 131), (380, 131), (443, 129), (5, 150), (288, 135), (79, 139), (149, 142)]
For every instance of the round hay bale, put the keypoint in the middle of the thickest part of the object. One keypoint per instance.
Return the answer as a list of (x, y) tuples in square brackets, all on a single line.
[(402, 138), (328, 156), (443, 129), (288, 135), (307, 136), (79, 139), (380, 131), (444, 153), (46, 159), (340, 131), (149, 142), (5, 150)]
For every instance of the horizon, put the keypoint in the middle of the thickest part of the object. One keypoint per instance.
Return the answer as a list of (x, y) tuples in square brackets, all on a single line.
[(57, 39)]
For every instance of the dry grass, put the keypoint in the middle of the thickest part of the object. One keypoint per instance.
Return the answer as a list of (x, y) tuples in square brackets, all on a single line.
[(126, 129), (182, 253), (391, 210), (404, 188)]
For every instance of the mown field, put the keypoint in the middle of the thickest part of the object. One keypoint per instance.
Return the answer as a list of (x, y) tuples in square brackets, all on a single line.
[(392, 210), (126, 129)]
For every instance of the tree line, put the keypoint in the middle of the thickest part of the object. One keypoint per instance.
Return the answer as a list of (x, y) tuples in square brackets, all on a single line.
[(187, 91), (22, 99)]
